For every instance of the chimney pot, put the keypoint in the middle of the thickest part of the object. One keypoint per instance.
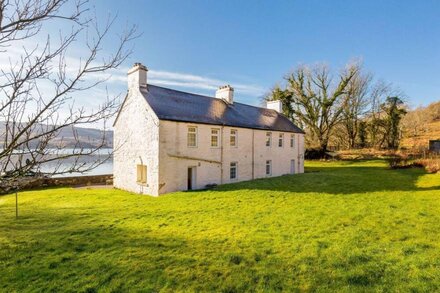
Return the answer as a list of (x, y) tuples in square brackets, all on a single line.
[(226, 93), (137, 76), (275, 105)]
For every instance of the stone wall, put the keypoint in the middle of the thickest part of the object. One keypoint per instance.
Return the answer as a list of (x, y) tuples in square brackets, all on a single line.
[(34, 183), (79, 180)]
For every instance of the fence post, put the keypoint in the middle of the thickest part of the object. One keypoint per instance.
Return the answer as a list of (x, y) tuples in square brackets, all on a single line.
[(16, 204)]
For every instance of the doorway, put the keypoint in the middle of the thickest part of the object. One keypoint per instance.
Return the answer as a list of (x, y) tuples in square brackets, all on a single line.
[(292, 167), (191, 178)]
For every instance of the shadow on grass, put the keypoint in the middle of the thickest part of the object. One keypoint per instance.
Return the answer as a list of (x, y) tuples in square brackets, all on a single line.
[(170, 244), (55, 251), (346, 179), (50, 251)]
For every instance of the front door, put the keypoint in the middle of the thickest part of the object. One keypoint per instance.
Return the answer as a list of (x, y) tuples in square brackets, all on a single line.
[(292, 167), (191, 178)]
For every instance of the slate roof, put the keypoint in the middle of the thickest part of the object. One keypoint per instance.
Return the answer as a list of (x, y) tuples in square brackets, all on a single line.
[(173, 105)]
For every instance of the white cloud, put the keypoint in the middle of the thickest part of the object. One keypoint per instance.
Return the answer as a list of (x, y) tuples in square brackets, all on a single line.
[(116, 81), (186, 80), (206, 85)]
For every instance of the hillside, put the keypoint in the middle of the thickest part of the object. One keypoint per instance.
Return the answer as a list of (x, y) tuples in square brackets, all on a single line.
[(88, 137), (431, 130), (420, 126)]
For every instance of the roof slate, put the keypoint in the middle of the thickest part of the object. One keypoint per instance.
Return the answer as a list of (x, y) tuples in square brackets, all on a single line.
[(169, 104)]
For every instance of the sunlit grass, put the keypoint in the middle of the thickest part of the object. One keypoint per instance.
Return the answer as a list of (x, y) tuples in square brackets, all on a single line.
[(343, 226)]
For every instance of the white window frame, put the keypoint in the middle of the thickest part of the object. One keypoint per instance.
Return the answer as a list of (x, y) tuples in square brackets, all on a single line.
[(268, 164), (218, 137), (233, 165), (292, 140), (141, 174), (281, 140), (233, 134), (268, 139), (195, 136)]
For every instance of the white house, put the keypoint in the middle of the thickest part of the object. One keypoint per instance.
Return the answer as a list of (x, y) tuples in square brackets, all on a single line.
[(167, 140)]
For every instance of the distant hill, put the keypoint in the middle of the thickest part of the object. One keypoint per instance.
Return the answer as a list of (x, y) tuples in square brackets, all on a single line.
[(420, 126), (88, 137)]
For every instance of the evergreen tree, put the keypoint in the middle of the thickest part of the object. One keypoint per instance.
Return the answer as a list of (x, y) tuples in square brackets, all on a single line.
[(362, 134), (394, 109)]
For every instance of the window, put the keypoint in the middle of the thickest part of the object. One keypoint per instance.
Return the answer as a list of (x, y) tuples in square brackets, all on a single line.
[(268, 167), (268, 139), (233, 170), (233, 138), (215, 137), (280, 140), (192, 136), (292, 140), (141, 174)]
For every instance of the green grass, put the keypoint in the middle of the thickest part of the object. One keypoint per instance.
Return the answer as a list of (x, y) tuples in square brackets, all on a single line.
[(344, 226)]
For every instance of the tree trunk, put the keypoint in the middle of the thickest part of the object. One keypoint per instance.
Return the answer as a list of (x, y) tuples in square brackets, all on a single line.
[(323, 147)]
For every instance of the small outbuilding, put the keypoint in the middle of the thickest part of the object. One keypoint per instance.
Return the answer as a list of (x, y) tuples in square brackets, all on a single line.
[(434, 145)]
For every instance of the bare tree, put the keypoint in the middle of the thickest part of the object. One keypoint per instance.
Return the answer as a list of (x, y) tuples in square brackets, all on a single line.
[(386, 110), (43, 83), (375, 118), (355, 106), (313, 98)]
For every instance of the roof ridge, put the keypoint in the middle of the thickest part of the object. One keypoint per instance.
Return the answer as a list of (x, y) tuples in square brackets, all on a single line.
[(199, 108), (209, 97), (166, 88)]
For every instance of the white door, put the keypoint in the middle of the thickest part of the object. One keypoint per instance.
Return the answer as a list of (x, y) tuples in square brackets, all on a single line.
[(292, 167)]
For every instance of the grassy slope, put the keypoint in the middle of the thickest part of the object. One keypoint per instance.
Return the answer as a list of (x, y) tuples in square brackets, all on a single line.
[(342, 226)]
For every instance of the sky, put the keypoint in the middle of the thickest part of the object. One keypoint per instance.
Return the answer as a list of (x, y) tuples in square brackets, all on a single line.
[(253, 44), (197, 46)]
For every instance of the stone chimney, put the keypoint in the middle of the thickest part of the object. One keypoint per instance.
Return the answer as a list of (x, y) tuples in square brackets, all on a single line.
[(226, 93), (137, 76), (275, 105)]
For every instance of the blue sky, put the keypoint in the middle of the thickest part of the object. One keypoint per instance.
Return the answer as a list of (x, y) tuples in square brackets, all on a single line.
[(196, 45)]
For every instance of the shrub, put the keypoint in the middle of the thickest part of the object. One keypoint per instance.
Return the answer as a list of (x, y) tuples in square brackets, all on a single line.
[(432, 165), (318, 154), (402, 161), (399, 161)]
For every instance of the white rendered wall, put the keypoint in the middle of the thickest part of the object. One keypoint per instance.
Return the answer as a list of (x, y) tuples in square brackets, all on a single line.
[(176, 156), (136, 141)]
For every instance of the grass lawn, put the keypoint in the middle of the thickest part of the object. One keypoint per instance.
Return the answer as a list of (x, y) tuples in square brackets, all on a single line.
[(343, 226)]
